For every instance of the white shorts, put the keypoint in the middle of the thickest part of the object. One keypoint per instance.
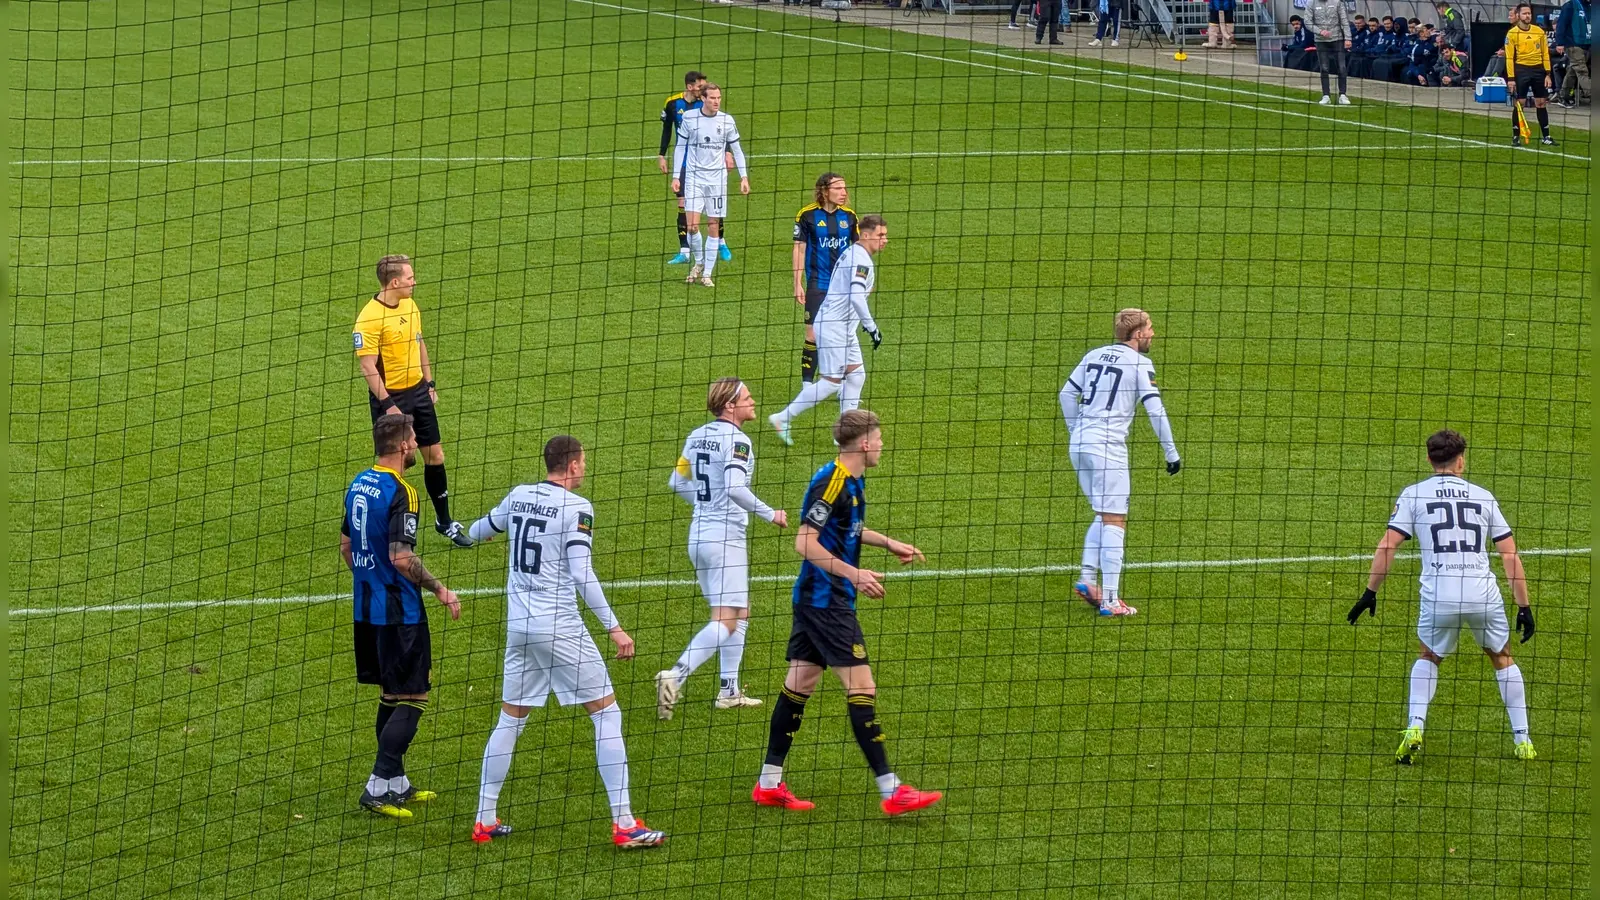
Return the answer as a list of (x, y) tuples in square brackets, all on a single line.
[(838, 348), (723, 570), (708, 198), (567, 665), (1105, 482), (1438, 627)]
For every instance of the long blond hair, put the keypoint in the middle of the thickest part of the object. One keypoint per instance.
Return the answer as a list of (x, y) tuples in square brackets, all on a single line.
[(722, 393)]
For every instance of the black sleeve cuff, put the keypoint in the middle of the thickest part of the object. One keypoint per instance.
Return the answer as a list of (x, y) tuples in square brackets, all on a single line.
[(1502, 537), (1400, 531)]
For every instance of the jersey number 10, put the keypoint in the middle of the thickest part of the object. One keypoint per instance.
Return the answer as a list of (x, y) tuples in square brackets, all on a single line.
[(525, 541)]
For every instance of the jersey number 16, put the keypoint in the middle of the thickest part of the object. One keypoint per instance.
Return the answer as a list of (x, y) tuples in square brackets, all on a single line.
[(525, 542)]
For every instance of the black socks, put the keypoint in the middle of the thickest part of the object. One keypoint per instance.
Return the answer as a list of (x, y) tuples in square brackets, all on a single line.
[(808, 362), (385, 710), (433, 478), (864, 722), (396, 738), (786, 716), (683, 230)]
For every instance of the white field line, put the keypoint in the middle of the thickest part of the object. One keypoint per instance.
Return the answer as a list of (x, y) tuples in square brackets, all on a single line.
[(1471, 142), (636, 584), (609, 158)]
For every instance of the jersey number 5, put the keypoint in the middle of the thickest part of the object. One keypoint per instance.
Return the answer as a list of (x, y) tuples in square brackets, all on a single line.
[(1456, 517), (701, 460), (525, 542), (1095, 370)]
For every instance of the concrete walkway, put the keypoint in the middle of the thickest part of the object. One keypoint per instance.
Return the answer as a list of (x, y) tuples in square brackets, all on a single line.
[(1212, 65)]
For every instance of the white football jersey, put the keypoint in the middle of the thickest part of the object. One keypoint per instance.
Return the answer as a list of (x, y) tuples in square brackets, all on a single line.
[(1110, 383), (1456, 522), (710, 451), (854, 269), (539, 522), (706, 139)]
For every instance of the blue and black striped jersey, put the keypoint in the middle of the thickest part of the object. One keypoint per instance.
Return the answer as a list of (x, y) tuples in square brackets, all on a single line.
[(381, 509), (826, 235), (672, 118), (836, 506)]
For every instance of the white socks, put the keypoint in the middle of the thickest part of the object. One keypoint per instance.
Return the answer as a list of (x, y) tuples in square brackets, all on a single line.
[(850, 389), (810, 395), (701, 647), (496, 764), (1090, 572), (1424, 681), (1515, 695), (710, 261), (887, 783), (612, 756), (771, 776), (733, 654), (1111, 540), (697, 245), (376, 786)]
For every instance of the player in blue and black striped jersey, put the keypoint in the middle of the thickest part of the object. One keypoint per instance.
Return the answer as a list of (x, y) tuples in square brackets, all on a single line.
[(822, 231), (393, 649), (826, 632), (671, 121)]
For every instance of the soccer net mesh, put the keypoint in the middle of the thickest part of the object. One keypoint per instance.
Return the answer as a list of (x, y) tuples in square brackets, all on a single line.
[(202, 189)]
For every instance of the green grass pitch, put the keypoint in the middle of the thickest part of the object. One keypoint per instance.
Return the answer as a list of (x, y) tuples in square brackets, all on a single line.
[(1328, 288)]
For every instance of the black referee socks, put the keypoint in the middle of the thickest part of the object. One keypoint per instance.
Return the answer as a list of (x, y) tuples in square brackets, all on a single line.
[(396, 738), (864, 722), (433, 478), (786, 717)]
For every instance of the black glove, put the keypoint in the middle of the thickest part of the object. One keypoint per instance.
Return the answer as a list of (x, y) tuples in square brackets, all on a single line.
[(1368, 602), (1174, 466), (877, 339), (1525, 622)]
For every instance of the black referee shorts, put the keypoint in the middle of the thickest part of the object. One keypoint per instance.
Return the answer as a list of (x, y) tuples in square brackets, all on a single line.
[(1532, 81), (414, 402), (813, 303), (828, 637), (396, 658)]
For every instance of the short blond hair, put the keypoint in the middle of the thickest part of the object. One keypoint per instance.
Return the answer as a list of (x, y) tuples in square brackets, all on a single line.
[(1129, 321), (722, 394), (853, 425)]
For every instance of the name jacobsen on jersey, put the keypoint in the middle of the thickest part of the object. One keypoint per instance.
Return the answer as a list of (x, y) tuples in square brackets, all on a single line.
[(534, 508), (706, 444)]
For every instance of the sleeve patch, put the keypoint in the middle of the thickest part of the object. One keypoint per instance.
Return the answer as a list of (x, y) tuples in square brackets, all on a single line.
[(356, 339), (861, 272), (585, 523), (817, 515), (409, 524), (741, 451)]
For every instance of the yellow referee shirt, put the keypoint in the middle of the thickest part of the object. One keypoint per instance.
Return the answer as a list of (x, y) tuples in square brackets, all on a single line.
[(394, 335), (1526, 47)]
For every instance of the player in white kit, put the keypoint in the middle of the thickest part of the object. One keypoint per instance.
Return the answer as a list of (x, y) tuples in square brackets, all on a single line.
[(839, 364), (1455, 521), (713, 475), (700, 162), (1098, 401), (548, 649)]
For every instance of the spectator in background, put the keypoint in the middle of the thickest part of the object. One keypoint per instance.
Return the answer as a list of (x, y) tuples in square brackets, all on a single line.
[(1049, 13), (1299, 51), (1363, 48), (1451, 24), (1016, 5), (1108, 21), (1330, 28), (1423, 55), (1572, 40), (1390, 56), (1451, 68), (1219, 33)]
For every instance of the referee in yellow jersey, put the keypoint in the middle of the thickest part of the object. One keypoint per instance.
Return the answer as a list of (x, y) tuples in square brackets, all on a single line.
[(1528, 69), (394, 361)]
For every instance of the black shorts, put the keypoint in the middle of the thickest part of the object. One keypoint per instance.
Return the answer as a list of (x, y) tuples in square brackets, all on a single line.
[(414, 402), (397, 658), (1218, 16), (828, 637), (1532, 81), (813, 303)]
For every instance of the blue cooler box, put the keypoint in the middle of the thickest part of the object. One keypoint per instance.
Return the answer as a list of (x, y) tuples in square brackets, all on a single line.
[(1489, 90)]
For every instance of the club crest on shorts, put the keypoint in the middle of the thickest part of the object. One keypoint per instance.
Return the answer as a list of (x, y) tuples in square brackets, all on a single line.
[(858, 651)]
